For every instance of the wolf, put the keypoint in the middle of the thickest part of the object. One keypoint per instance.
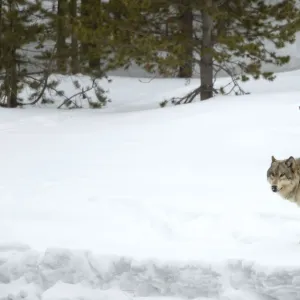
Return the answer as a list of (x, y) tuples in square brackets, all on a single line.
[(284, 178)]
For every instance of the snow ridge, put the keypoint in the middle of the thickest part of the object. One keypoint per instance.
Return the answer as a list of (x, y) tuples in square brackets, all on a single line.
[(25, 272)]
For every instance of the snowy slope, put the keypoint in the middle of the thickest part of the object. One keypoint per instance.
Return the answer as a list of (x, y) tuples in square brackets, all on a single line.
[(133, 201)]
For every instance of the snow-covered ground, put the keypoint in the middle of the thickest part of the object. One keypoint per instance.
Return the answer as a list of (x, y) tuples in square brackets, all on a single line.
[(136, 201)]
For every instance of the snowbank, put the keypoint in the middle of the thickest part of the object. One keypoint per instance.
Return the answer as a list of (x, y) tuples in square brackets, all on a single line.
[(65, 274)]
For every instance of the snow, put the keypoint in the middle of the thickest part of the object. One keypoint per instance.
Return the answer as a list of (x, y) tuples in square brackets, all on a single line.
[(137, 201)]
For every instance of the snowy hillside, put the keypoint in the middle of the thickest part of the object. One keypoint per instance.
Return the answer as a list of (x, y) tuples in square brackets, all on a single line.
[(136, 201)]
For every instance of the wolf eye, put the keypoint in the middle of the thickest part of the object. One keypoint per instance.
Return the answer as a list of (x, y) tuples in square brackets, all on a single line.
[(282, 175)]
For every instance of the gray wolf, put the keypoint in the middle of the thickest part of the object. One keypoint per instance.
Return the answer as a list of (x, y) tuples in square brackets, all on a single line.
[(284, 178)]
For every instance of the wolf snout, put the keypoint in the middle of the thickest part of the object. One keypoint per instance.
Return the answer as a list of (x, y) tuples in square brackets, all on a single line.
[(274, 188)]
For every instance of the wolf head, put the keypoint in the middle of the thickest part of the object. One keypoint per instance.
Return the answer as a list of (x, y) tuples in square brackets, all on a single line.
[(282, 175)]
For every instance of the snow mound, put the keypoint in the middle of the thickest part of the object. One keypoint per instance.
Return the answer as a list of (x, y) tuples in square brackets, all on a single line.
[(65, 274)]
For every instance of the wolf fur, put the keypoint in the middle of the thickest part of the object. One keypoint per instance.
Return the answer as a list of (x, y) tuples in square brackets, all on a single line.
[(284, 178)]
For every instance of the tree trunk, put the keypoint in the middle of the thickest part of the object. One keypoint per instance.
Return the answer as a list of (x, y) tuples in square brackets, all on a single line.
[(12, 82), (88, 51), (75, 68), (61, 46), (1, 32), (11, 75), (186, 23), (206, 61), (94, 57), (84, 14)]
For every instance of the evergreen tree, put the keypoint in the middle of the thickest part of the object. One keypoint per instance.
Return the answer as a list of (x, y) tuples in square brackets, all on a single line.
[(34, 44), (75, 67), (91, 13), (62, 22), (186, 18), (20, 25), (227, 35), (101, 36)]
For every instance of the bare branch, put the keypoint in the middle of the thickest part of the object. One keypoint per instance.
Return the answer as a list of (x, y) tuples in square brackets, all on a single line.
[(82, 92)]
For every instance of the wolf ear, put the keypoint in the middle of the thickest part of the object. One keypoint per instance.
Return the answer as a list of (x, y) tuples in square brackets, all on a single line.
[(290, 162), (273, 159)]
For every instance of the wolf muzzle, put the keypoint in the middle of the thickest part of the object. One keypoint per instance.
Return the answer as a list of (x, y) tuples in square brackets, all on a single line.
[(274, 188)]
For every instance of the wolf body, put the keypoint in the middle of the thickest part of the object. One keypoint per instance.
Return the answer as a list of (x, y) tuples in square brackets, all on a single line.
[(284, 178)]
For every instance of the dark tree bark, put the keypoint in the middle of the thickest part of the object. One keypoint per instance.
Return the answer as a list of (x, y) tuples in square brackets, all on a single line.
[(12, 82), (88, 51), (206, 61), (186, 23), (1, 26), (84, 14), (61, 46), (75, 67), (11, 76)]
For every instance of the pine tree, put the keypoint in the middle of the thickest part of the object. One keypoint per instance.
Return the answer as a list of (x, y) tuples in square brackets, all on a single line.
[(227, 35), (91, 13), (186, 18), (206, 52), (19, 24), (102, 39), (62, 22), (75, 67), (61, 26)]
